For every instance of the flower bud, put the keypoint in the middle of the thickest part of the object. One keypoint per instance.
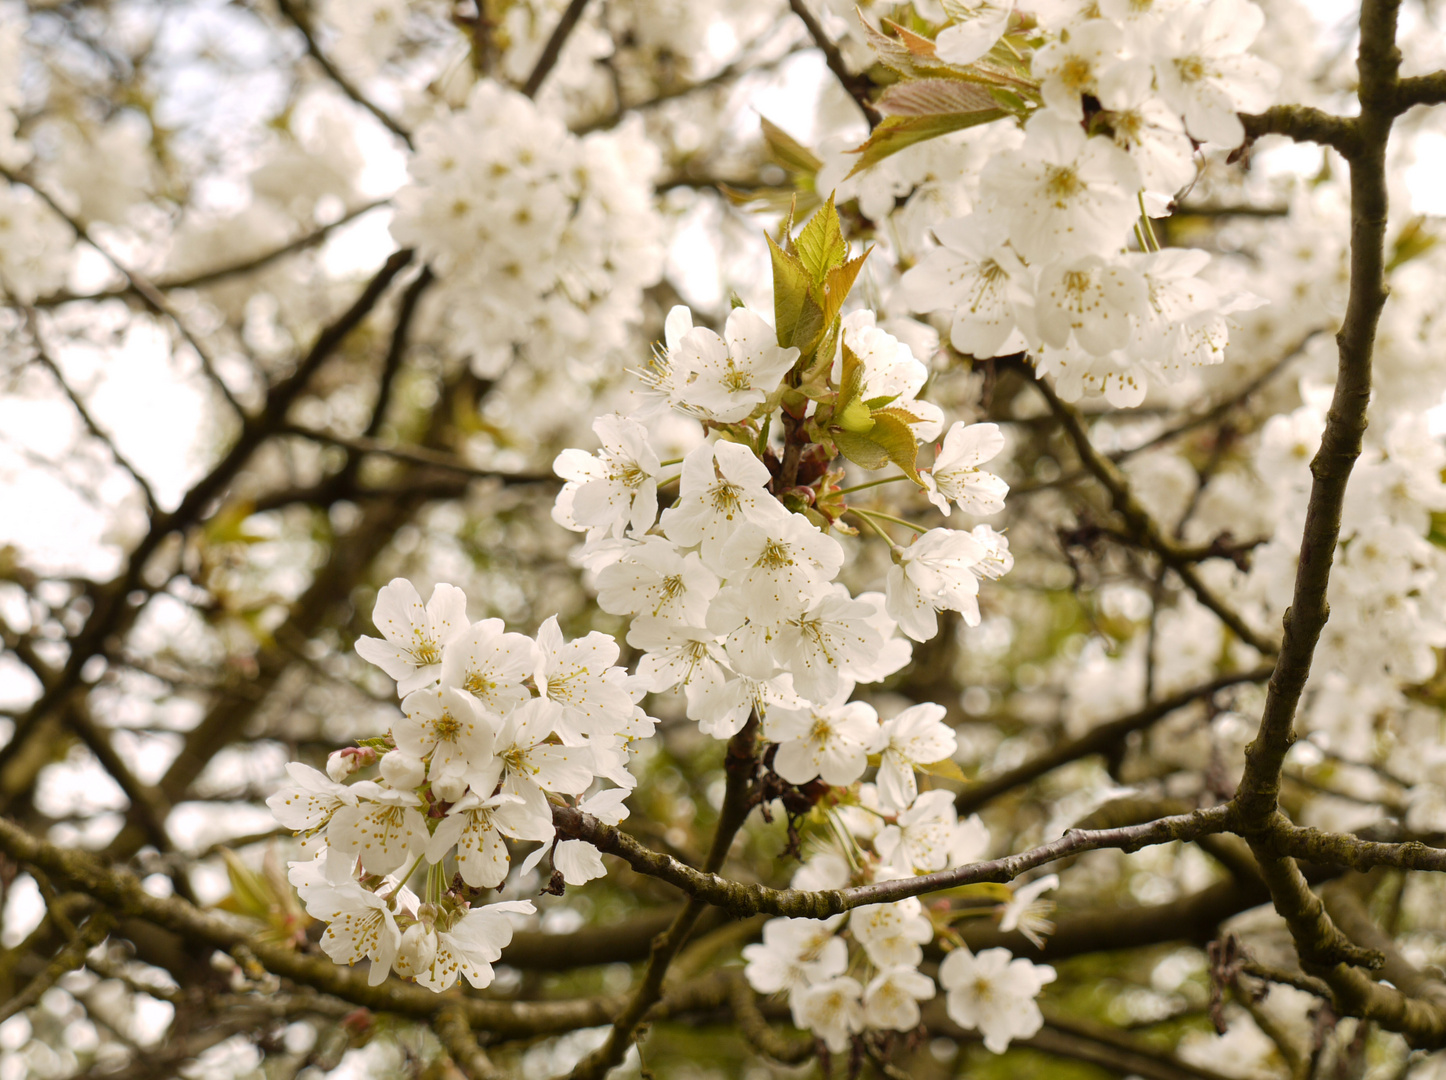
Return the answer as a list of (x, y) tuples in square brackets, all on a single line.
[(417, 951), (449, 788), (403, 770)]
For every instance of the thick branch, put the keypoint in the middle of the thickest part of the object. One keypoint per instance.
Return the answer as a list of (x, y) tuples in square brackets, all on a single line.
[(743, 900), (1302, 123), (1345, 423), (740, 764)]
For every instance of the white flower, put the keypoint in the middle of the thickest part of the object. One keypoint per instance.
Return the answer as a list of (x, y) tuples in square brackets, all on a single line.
[(384, 828), (924, 835), (956, 473), (785, 562), (977, 276), (614, 489), (977, 25), (817, 645), (892, 655), (361, 925), (675, 655), (891, 372), (578, 862), (490, 665), (1205, 73), (711, 506), (471, 944), (833, 1011), (1027, 913), (934, 573), (725, 380), (1146, 129), (585, 694), (1089, 298), (829, 741), (917, 736), (1062, 193), (448, 724), (722, 708), (529, 766), (1068, 70), (652, 578), (606, 805), (310, 800), (414, 636), (892, 934), (795, 953), (475, 826), (1174, 295), (993, 993), (891, 1000)]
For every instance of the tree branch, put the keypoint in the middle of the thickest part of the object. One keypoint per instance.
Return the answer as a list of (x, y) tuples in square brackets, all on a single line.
[(743, 900), (295, 16), (141, 285), (553, 49), (1143, 527), (1097, 740), (857, 86)]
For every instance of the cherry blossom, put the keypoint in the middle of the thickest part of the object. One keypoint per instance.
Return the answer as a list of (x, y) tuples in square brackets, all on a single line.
[(994, 994), (410, 649)]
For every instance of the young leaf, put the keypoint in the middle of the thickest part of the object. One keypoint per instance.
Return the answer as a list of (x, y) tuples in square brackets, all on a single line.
[(934, 97), (860, 449), (896, 438), (787, 152), (821, 245), (895, 133), (837, 284), (947, 768), (790, 293)]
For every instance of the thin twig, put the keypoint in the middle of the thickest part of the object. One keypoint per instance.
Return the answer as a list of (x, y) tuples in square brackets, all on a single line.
[(553, 49), (857, 86), (347, 87)]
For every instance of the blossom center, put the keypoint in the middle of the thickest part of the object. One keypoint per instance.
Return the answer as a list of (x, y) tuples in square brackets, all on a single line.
[(446, 727), (725, 500), (1062, 183), (1191, 68)]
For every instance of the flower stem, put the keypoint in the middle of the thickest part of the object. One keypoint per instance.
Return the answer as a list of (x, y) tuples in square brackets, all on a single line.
[(871, 483), (890, 517)]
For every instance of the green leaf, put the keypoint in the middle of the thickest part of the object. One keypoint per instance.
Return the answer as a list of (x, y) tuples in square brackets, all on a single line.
[(896, 133), (837, 284), (821, 245), (861, 450), (948, 768), (896, 437), (854, 417), (787, 152), (790, 293)]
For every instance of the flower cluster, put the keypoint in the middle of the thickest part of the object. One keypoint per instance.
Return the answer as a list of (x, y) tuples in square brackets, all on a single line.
[(733, 598), (492, 724), (734, 602), (544, 241), (1126, 92), (860, 972)]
